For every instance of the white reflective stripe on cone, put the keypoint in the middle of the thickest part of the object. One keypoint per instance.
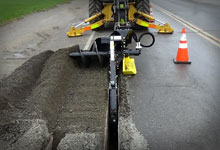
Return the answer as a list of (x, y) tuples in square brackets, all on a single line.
[(183, 45)]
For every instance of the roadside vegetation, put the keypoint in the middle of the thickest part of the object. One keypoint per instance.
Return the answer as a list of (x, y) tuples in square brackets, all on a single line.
[(13, 9)]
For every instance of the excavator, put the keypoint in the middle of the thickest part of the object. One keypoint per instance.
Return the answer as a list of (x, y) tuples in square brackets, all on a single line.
[(127, 15), (102, 12)]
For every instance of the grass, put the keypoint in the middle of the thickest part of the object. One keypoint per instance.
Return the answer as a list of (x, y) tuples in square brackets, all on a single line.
[(13, 9)]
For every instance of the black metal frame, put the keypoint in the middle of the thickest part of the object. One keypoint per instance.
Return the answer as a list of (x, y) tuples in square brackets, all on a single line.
[(114, 48)]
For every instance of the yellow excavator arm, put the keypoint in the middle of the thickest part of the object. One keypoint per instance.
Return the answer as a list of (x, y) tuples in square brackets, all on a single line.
[(165, 28), (108, 17)]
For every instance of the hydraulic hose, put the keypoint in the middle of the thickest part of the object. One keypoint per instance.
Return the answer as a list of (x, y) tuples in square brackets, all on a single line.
[(134, 35), (152, 36)]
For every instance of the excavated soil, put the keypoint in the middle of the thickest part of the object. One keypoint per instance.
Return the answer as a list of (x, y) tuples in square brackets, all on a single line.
[(76, 95), (15, 89), (52, 103), (14, 92), (71, 99)]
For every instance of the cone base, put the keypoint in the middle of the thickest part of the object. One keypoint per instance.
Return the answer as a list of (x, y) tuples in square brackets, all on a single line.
[(181, 62)]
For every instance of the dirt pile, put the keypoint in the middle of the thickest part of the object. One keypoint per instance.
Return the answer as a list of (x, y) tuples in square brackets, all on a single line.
[(35, 137), (91, 141), (69, 98), (14, 93), (52, 103), (15, 89)]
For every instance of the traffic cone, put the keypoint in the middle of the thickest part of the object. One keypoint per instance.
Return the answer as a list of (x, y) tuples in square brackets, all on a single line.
[(151, 14), (182, 54)]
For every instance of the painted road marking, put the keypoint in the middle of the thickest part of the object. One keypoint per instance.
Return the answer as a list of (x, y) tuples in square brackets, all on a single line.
[(214, 40), (88, 43)]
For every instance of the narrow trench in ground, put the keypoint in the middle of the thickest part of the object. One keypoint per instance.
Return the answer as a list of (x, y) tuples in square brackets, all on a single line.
[(95, 86), (57, 136), (84, 104)]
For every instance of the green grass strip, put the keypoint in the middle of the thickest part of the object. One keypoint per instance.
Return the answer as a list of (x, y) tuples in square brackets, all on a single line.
[(12, 9)]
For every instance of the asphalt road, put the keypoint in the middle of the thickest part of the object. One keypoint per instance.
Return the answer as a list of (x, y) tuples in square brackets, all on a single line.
[(177, 107), (174, 106)]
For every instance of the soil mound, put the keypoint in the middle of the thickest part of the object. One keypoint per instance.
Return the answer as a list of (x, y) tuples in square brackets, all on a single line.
[(50, 102), (52, 87)]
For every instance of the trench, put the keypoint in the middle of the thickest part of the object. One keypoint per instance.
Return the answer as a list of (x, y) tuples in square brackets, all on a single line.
[(72, 100)]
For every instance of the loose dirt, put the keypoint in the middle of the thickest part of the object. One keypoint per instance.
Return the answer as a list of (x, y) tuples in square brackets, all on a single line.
[(15, 89), (71, 99), (76, 95), (14, 92), (68, 104)]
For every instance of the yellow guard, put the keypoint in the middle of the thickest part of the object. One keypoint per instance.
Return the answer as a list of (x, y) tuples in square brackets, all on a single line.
[(129, 67)]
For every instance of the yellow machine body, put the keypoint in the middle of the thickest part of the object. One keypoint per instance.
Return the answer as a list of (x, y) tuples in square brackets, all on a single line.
[(108, 17), (129, 67), (107, 12)]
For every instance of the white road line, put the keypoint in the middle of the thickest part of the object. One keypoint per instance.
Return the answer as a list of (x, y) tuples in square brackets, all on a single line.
[(214, 40), (89, 41)]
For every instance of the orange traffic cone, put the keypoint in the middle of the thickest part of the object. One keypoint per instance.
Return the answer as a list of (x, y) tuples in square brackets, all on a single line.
[(151, 14), (182, 54)]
